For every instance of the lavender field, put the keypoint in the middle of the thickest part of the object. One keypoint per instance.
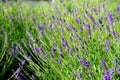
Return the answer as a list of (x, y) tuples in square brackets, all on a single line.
[(60, 40)]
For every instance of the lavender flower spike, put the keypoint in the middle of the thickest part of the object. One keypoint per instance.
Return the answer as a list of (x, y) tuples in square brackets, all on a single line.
[(115, 61), (118, 70), (88, 28), (79, 75), (104, 64)]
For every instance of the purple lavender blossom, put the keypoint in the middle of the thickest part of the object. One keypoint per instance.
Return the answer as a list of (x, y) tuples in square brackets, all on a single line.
[(94, 10), (61, 55), (85, 63), (104, 64), (64, 42), (107, 28), (106, 75), (18, 70), (111, 72), (81, 29), (19, 78), (110, 17), (33, 77), (118, 70), (92, 19), (36, 51), (100, 20), (114, 34), (57, 11), (23, 62), (88, 28), (107, 43), (42, 49), (40, 27), (118, 9), (115, 61), (79, 75), (89, 73)]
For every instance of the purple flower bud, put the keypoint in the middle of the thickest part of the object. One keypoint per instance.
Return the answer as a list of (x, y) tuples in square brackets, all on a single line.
[(33, 77), (107, 28), (89, 73), (114, 34), (18, 70), (118, 9), (81, 29), (92, 19), (107, 43), (94, 10), (23, 62), (61, 55), (115, 61), (110, 18), (104, 64), (100, 20), (64, 42), (19, 78), (40, 27), (57, 11), (36, 51), (59, 62), (118, 70), (111, 72), (42, 49), (88, 28), (106, 75), (79, 75)]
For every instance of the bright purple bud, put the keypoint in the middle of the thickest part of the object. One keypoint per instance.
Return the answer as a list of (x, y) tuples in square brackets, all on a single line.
[(94, 10), (19, 78), (89, 73), (107, 43), (23, 62), (64, 42), (106, 75), (92, 19), (57, 11), (40, 27), (111, 72), (104, 64), (110, 17), (88, 28), (42, 49), (33, 77), (81, 29), (100, 20), (18, 70), (87, 64), (115, 61), (113, 34), (107, 28), (79, 75), (118, 70), (36, 51), (118, 9), (61, 55)]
